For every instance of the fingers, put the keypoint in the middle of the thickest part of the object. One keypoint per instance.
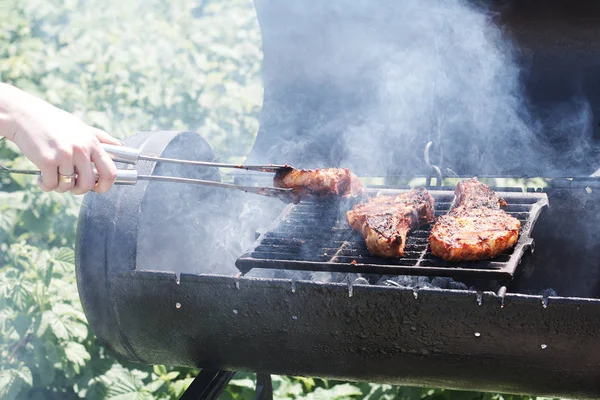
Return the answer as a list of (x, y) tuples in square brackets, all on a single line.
[(66, 180), (85, 173), (49, 168), (49, 179), (104, 137), (105, 166), (107, 170), (60, 178), (59, 167)]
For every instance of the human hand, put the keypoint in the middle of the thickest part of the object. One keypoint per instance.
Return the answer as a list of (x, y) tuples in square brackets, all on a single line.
[(60, 145)]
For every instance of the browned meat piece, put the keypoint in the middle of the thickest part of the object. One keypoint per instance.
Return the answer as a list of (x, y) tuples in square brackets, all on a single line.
[(473, 194), (328, 182), (386, 220), (476, 228)]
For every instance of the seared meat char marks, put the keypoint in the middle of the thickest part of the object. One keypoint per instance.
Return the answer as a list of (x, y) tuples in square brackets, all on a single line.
[(385, 221), (476, 228), (328, 182)]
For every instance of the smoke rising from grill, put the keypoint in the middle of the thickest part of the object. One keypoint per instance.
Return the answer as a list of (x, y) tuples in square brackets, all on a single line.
[(366, 86), (448, 77)]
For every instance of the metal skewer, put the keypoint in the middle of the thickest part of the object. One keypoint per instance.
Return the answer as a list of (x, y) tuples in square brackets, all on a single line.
[(128, 155), (131, 176), (281, 193)]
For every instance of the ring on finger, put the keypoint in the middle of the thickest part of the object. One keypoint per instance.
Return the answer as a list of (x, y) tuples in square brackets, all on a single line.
[(67, 178)]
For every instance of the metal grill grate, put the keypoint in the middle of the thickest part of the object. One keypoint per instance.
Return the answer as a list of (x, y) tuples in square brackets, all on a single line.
[(316, 237)]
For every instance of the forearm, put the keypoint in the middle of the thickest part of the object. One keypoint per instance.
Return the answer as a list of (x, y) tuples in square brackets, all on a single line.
[(12, 109)]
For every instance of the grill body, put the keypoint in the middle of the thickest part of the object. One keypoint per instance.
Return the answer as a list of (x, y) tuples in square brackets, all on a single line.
[(377, 335)]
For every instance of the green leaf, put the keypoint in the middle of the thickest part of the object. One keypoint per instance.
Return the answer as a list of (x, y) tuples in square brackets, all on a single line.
[(22, 324), (128, 390), (12, 201), (63, 260), (94, 391), (177, 388), (309, 383), (58, 326), (46, 371), (78, 330), (40, 363), (10, 384), (67, 310), (159, 370), (22, 180), (25, 374), (154, 386), (8, 219), (284, 386), (120, 388), (382, 392), (171, 375), (52, 353), (48, 273), (21, 295), (13, 381), (65, 256), (340, 392), (230, 394), (42, 323), (116, 373), (138, 375), (245, 383), (77, 354)]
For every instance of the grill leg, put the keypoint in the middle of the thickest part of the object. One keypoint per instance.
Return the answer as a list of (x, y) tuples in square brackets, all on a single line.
[(208, 385), (264, 387)]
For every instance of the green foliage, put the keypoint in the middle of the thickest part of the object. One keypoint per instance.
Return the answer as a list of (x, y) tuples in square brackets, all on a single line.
[(128, 66), (123, 66)]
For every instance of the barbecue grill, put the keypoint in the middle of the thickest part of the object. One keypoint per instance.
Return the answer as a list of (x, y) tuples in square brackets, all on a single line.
[(200, 276), (315, 236)]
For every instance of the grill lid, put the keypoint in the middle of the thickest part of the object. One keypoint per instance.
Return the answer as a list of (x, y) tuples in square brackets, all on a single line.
[(313, 236)]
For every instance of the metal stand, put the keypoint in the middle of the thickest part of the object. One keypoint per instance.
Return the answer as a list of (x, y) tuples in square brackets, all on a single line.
[(209, 385), (264, 387)]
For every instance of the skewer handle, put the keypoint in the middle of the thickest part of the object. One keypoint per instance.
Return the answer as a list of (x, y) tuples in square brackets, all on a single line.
[(126, 177), (127, 155)]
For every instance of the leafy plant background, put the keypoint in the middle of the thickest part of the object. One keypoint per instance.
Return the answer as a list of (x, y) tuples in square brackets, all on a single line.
[(123, 66)]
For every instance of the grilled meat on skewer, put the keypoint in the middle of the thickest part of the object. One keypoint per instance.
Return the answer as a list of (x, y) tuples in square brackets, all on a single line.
[(328, 182), (386, 220), (476, 228)]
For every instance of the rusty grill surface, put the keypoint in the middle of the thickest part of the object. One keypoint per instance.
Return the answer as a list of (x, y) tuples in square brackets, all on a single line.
[(313, 236)]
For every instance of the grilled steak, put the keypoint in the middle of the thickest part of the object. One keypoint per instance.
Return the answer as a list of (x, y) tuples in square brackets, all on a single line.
[(476, 228), (386, 220), (329, 182)]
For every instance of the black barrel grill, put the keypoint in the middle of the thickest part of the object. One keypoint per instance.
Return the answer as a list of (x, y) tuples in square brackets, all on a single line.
[(178, 275)]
